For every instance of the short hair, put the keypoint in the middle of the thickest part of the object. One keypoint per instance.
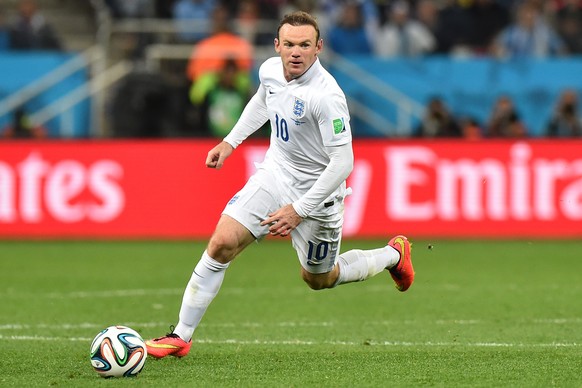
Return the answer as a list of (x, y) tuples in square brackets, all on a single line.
[(299, 18)]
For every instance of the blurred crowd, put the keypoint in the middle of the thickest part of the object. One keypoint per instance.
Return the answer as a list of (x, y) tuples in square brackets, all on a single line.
[(393, 27), (504, 120), (219, 85), (28, 30)]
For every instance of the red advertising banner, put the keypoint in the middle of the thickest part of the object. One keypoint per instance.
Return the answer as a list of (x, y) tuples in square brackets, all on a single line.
[(162, 189)]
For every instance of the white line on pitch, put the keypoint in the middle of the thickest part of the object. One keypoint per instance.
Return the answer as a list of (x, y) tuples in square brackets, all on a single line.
[(139, 292), (136, 293), (334, 343), (87, 325), (73, 326), (91, 325)]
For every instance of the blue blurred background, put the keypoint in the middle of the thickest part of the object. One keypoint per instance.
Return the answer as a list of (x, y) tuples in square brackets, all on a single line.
[(419, 68)]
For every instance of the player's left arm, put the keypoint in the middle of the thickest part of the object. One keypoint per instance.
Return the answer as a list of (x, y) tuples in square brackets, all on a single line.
[(333, 119), (331, 110), (341, 163)]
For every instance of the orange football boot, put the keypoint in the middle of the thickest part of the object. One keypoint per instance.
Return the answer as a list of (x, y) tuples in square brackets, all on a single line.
[(402, 272), (169, 345)]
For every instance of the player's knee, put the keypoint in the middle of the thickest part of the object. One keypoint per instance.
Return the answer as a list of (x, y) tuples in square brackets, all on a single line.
[(316, 281), (314, 284), (222, 248)]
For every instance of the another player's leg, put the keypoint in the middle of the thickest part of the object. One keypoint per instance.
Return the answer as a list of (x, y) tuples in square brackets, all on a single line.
[(229, 239)]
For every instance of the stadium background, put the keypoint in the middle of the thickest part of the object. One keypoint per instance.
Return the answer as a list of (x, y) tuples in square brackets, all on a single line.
[(132, 162), (102, 221)]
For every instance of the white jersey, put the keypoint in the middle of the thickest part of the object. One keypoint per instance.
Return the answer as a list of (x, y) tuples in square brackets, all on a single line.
[(307, 115)]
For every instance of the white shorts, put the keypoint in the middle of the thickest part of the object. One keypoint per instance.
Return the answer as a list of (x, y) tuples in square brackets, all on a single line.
[(316, 239)]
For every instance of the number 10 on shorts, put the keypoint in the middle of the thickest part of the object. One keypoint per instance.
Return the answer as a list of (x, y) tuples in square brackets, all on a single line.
[(317, 252)]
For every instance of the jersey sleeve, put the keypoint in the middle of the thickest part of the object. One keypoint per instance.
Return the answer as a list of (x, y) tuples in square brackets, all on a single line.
[(341, 163), (334, 119), (252, 118)]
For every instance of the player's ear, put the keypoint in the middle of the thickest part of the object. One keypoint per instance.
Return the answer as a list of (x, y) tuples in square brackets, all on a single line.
[(277, 45), (319, 46)]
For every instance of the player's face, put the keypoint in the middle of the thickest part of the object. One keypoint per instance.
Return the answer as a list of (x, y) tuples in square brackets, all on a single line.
[(298, 49)]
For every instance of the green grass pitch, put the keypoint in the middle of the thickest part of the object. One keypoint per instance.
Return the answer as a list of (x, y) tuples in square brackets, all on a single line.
[(480, 314)]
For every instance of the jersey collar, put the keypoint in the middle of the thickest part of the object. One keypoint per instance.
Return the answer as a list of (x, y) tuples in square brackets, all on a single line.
[(309, 73)]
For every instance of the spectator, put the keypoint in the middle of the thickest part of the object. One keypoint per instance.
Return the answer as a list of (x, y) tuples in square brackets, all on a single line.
[(248, 17), (326, 11), (134, 44), (453, 29), (543, 7), (146, 105), (22, 127), (270, 9), (568, 20), (403, 36), (188, 13), (222, 97), (529, 36), (132, 9), (566, 121), (290, 6), (487, 18), (438, 121), (30, 30), (427, 13), (4, 33), (508, 4), (349, 35), (211, 53), (505, 121), (164, 8), (470, 129)]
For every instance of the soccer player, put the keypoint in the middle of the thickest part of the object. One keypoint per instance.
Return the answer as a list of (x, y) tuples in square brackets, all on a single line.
[(299, 188)]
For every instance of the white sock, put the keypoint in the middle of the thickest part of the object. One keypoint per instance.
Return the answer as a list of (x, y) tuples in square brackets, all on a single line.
[(358, 265), (201, 290)]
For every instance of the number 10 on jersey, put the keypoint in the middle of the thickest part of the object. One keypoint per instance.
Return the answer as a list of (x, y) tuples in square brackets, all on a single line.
[(282, 128)]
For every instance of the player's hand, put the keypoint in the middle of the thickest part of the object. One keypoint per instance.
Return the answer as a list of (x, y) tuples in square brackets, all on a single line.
[(282, 221), (218, 154)]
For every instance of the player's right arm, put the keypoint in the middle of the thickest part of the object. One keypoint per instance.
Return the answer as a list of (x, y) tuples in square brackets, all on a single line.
[(217, 155), (252, 118)]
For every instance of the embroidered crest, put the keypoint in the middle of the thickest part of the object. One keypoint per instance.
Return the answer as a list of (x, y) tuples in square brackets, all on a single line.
[(298, 108)]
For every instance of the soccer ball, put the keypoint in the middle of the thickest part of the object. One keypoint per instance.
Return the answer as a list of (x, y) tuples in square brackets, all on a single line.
[(118, 351)]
